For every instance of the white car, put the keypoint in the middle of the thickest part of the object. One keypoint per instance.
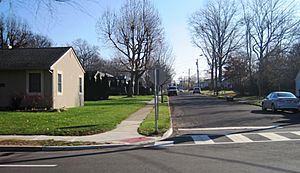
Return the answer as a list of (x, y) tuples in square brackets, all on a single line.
[(281, 101), (197, 90)]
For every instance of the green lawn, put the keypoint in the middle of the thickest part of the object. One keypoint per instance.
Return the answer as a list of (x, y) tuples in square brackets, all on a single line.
[(148, 126), (94, 117)]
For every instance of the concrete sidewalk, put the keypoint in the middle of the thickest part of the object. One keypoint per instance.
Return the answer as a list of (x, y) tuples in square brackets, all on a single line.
[(125, 133)]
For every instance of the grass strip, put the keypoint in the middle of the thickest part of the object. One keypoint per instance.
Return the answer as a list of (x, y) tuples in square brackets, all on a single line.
[(147, 127)]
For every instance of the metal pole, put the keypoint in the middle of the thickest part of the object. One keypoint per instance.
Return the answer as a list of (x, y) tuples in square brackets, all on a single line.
[(198, 82), (156, 101), (189, 78)]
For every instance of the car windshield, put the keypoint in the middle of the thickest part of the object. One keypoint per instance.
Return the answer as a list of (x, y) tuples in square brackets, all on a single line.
[(288, 95), (172, 88)]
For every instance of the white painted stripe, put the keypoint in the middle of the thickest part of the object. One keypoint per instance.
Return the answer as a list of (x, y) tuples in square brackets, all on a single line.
[(274, 136), (37, 166), (163, 143), (231, 143), (202, 139), (229, 128), (296, 133), (238, 138)]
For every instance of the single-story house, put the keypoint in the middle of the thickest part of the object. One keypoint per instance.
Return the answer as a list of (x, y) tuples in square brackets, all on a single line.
[(41, 77), (297, 82)]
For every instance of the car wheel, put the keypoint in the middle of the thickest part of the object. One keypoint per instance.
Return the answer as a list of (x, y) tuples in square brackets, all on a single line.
[(273, 108), (263, 107)]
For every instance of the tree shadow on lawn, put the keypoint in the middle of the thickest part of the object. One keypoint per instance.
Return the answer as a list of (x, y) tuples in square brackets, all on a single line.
[(92, 103), (77, 127)]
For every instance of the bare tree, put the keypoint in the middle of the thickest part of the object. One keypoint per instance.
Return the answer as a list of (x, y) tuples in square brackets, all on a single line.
[(39, 41), (274, 25), (215, 31), (88, 55), (135, 32), (14, 32), (164, 62), (17, 34), (247, 22)]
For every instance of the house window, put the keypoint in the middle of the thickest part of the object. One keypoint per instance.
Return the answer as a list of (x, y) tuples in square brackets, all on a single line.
[(35, 82), (80, 85), (59, 83)]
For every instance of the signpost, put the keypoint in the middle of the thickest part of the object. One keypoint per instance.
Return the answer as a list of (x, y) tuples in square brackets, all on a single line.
[(156, 100)]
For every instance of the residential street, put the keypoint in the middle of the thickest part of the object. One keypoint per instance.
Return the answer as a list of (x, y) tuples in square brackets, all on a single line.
[(245, 140), (254, 157), (196, 111)]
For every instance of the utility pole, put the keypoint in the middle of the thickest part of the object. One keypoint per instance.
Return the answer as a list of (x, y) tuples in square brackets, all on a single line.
[(198, 82), (156, 100), (189, 80)]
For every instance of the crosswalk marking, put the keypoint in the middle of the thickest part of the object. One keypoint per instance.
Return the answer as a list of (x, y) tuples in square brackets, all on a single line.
[(230, 128), (202, 139), (274, 136), (213, 139), (296, 133), (238, 138), (163, 143)]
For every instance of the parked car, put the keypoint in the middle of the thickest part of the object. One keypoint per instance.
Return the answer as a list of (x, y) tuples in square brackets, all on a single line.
[(196, 90), (281, 101), (180, 90), (172, 91)]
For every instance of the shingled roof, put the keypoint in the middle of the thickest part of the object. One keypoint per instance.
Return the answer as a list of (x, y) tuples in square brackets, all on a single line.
[(30, 58)]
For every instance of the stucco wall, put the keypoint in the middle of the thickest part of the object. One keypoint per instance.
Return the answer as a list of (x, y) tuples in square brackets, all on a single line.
[(71, 70), (13, 83)]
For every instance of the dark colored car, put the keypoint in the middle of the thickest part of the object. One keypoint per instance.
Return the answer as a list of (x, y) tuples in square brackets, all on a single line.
[(281, 101), (172, 91)]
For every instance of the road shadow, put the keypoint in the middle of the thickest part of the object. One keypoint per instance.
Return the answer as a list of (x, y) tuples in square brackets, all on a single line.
[(288, 118), (228, 160), (64, 156)]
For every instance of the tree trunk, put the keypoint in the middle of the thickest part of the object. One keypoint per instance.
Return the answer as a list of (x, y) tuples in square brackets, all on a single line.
[(136, 86), (220, 72), (162, 95), (216, 78), (130, 86), (212, 78)]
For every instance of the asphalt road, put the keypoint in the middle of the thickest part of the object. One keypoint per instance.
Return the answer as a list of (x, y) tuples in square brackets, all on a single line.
[(197, 111), (255, 157), (188, 112)]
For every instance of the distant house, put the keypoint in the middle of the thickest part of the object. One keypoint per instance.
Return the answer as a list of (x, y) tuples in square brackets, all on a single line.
[(41, 77), (297, 81)]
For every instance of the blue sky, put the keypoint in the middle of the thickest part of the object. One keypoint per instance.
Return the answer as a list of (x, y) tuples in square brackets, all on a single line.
[(69, 22)]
